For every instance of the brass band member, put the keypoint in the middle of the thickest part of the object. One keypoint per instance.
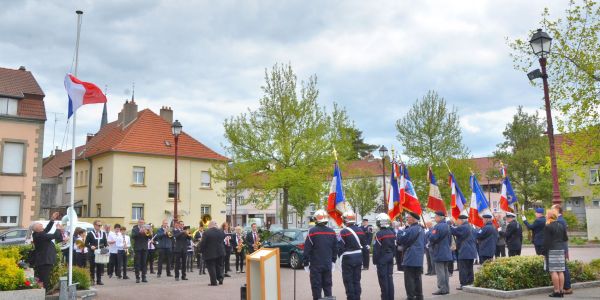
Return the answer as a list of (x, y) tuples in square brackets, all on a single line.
[(228, 248), (199, 258), (95, 239), (80, 249), (140, 235), (151, 250), (163, 236), (123, 251), (239, 247), (253, 238), (182, 237)]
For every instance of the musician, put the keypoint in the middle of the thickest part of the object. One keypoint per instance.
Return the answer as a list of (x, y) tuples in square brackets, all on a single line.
[(80, 252), (228, 248), (182, 241), (45, 251), (467, 252), (320, 254), (238, 245), (151, 250), (253, 238), (190, 256), (164, 238), (140, 235), (412, 239), (113, 236), (95, 239), (384, 249), (213, 250), (199, 259), (123, 251), (368, 230), (487, 237), (350, 252)]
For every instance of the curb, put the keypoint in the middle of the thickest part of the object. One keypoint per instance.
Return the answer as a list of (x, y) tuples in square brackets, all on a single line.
[(81, 294), (524, 292)]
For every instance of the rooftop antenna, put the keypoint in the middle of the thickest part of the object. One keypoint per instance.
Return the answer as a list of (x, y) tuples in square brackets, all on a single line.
[(133, 91), (54, 128)]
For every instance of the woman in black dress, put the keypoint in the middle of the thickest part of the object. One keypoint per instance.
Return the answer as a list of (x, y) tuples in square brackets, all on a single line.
[(555, 237)]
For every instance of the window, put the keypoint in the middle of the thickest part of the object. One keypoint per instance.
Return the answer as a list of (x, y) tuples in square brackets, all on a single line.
[(68, 183), (594, 176), (139, 175), (137, 211), (8, 106), (596, 203), (13, 158), (290, 219), (172, 190), (10, 206), (204, 210), (576, 202), (85, 178), (98, 210), (205, 176), (100, 176)]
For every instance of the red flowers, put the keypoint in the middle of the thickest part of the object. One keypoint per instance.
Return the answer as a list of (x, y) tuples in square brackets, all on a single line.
[(27, 283)]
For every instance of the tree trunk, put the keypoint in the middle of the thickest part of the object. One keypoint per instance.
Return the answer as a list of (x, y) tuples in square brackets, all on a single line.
[(284, 208)]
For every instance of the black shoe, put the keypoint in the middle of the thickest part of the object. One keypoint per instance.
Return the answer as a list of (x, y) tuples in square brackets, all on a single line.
[(556, 295), (184, 278), (110, 276), (151, 272), (226, 275), (144, 280), (157, 275), (220, 281), (242, 272), (99, 283), (169, 275), (125, 277), (212, 284), (439, 293), (137, 280)]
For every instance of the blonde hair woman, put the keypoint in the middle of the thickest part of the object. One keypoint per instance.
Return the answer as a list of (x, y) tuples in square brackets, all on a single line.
[(555, 237)]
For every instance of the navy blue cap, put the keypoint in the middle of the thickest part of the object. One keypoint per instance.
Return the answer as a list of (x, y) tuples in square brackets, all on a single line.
[(539, 210), (440, 213), (487, 216), (463, 217)]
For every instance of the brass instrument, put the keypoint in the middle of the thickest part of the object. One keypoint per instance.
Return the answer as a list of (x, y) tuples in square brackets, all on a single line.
[(206, 219), (257, 244), (169, 233), (148, 230), (79, 244), (240, 244)]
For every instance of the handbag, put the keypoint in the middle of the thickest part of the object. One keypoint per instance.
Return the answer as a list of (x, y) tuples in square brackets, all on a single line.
[(101, 256)]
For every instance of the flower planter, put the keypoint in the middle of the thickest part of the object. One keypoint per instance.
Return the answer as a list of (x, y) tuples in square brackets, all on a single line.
[(32, 294), (524, 292)]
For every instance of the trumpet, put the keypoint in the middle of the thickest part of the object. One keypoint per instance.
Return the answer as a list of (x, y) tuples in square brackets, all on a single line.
[(257, 244), (240, 245), (79, 244), (170, 234), (206, 218)]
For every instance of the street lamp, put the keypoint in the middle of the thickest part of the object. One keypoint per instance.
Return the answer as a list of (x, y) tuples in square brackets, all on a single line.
[(383, 151), (541, 43), (176, 130)]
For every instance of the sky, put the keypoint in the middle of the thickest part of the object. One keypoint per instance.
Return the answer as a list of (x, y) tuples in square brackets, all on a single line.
[(207, 59)]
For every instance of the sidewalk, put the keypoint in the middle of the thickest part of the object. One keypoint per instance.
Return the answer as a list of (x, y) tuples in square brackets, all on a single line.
[(589, 293)]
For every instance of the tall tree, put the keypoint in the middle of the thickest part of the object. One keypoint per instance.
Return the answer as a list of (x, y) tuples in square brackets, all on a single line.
[(361, 149), (430, 132), (289, 135), (362, 193)]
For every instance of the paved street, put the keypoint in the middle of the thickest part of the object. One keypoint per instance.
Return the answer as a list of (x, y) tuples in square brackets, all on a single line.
[(197, 286)]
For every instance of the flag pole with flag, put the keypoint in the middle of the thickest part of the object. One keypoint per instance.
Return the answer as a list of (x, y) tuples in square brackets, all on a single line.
[(408, 196), (479, 204), (336, 203), (434, 200), (458, 201), (508, 198), (393, 209)]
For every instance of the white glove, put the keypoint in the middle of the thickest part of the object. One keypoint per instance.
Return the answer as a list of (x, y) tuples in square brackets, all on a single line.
[(306, 269), (332, 267), (368, 247), (523, 218), (499, 229)]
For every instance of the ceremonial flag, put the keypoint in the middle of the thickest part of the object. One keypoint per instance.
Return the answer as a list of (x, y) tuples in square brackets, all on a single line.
[(408, 196), (82, 93), (434, 201), (336, 203), (507, 197), (457, 199), (394, 198), (479, 203)]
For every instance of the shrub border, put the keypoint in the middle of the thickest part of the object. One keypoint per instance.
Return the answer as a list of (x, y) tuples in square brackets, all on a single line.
[(523, 292)]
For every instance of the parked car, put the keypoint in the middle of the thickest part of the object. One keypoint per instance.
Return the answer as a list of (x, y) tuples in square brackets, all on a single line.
[(291, 245), (15, 236)]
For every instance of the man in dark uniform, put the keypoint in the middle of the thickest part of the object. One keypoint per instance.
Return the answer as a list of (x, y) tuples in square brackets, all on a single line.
[(537, 229), (320, 254), (44, 250), (350, 245), (501, 243), (514, 235), (213, 251), (368, 230), (430, 268), (413, 241), (199, 259), (487, 237), (182, 242), (95, 239), (163, 236), (253, 239), (384, 249), (140, 234), (440, 240), (467, 252)]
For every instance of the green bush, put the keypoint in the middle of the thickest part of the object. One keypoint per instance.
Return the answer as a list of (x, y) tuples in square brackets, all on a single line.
[(571, 220), (577, 241), (80, 276), (524, 272), (12, 276), (595, 265)]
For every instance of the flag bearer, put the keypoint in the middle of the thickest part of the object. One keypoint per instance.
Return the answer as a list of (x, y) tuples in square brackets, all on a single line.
[(350, 247), (320, 255), (440, 240), (384, 250), (487, 237), (467, 252), (412, 238)]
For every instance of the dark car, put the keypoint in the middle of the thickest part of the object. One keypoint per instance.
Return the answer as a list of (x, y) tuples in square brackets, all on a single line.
[(291, 245), (16, 236)]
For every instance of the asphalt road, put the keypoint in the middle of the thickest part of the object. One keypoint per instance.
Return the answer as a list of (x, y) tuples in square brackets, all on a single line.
[(197, 285)]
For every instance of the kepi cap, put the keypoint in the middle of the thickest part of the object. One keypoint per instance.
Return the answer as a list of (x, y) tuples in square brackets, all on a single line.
[(539, 210)]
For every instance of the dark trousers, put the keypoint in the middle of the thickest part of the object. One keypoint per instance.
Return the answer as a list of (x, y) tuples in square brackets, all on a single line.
[(122, 262), (65, 255), (320, 280), (514, 252), (465, 271), (483, 259), (399, 256), (351, 273), (226, 260), (200, 263), (189, 262), (96, 270), (386, 282), (151, 257), (365, 257), (500, 251), (215, 269), (180, 257), (413, 283), (430, 268), (43, 273), (567, 285), (113, 265), (239, 261), (539, 250), (164, 256), (79, 259), (139, 261)]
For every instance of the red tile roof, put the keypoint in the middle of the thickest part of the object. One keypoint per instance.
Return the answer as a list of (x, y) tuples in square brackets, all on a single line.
[(32, 108), (17, 83), (53, 165), (483, 165)]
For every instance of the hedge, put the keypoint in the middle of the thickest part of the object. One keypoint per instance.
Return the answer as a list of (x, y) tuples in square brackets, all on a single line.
[(524, 272), (11, 256)]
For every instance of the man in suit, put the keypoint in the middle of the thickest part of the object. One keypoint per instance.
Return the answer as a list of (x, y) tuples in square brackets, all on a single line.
[(537, 229), (95, 239), (140, 235), (514, 235), (252, 238), (182, 241), (199, 259), (163, 237), (45, 251), (213, 251)]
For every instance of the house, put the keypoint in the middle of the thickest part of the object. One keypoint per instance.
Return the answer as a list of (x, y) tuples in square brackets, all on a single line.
[(22, 118), (126, 172)]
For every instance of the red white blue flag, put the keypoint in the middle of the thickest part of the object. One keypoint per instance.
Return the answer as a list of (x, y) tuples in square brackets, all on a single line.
[(458, 201), (434, 201), (479, 203), (82, 93), (507, 197), (408, 196), (393, 208), (336, 203)]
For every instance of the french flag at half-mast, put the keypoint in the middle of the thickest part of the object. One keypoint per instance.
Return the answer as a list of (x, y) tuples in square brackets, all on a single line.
[(336, 203), (82, 93)]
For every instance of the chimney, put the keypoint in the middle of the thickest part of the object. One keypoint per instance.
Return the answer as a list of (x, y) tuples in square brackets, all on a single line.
[(129, 112), (57, 151), (89, 137), (22, 68), (167, 114)]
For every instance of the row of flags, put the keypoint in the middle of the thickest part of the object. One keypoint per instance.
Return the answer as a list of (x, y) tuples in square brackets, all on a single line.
[(402, 196)]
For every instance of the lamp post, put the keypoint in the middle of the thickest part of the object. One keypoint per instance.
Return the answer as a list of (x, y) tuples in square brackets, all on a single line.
[(541, 43), (176, 130), (383, 153)]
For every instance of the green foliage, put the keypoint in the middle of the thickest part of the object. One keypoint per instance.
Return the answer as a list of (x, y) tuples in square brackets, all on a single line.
[(80, 276), (577, 241), (595, 266), (524, 272), (12, 276), (361, 149), (11, 253), (571, 219), (362, 193)]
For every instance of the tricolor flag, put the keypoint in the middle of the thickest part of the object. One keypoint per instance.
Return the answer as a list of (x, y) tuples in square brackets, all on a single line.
[(457, 199), (82, 93), (507, 197), (336, 203), (479, 203), (408, 196), (394, 197), (434, 201)]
